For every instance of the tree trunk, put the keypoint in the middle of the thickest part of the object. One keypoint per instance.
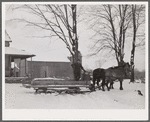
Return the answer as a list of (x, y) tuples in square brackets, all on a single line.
[(133, 43), (75, 39)]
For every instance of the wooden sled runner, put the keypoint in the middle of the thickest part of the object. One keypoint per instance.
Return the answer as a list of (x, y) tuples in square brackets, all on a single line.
[(50, 85)]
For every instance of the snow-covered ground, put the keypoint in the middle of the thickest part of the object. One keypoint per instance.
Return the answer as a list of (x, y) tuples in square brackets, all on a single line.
[(18, 97)]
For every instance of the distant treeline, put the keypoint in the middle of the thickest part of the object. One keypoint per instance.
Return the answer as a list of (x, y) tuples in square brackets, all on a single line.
[(139, 74)]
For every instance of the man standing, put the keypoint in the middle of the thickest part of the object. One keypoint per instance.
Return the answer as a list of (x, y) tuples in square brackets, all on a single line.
[(77, 70)]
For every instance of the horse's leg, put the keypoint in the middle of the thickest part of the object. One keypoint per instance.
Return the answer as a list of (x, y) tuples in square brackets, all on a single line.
[(106, 84), (108, 81), (98, 80), (93, 85), (121, 80), (111, 85), (94, 79), (103, 83)]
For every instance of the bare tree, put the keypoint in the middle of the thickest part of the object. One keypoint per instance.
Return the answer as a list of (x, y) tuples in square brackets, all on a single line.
[(113, 26), (110, 23), (58, 20)]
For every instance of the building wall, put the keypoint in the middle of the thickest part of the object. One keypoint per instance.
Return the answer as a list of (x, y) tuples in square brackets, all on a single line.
[(23, 68), (7, 62), (50, 69), (7, 66)]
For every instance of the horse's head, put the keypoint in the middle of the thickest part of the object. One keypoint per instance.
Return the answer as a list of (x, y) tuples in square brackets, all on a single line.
[(127, 69)]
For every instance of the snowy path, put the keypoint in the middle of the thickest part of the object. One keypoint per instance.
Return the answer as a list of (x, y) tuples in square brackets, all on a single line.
[(18, 97)]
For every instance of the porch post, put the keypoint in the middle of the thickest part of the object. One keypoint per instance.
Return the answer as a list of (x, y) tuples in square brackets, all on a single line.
[(19, 73), (9, 66), (31, 68), (14, 69), (25, 66)]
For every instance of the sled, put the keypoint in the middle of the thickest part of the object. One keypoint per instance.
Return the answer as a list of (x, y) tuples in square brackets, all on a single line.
[(44, 85)]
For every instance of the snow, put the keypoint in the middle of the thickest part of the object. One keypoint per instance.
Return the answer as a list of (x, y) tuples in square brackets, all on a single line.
[(19, 98), (48, 78)]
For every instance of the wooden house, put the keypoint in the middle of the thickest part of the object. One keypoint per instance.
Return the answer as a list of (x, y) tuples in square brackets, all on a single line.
[(17, 65), (15, 57)]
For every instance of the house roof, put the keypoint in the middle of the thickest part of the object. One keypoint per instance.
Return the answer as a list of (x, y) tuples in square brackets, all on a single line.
[(49, 59), (7, 37), (15, 53)]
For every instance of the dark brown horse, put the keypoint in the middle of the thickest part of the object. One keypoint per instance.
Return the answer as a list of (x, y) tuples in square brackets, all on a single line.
[(98, 74), (111, 74)]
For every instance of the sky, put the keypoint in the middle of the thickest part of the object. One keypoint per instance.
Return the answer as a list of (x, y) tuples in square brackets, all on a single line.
[(50, 49)]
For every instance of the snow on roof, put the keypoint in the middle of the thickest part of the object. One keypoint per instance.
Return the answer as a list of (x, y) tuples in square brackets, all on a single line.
[(14, 51), (7, 37), (50, 59), (46, 57)]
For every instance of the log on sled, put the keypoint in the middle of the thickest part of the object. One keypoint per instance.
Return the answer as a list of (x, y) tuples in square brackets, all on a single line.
[(45, 84)]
